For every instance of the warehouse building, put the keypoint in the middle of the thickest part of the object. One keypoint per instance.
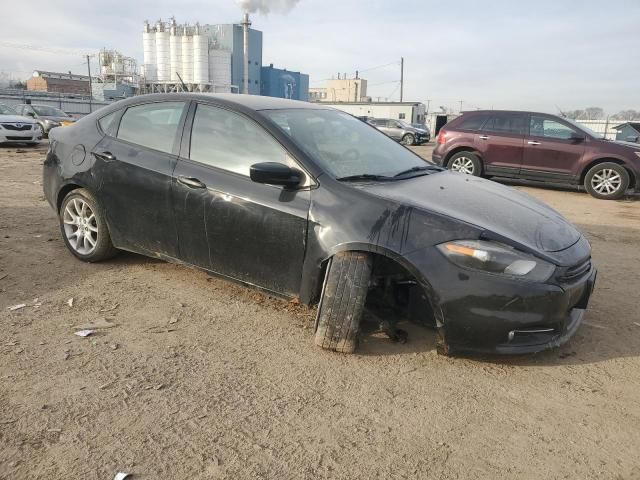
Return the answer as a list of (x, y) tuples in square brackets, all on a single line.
[(340, 90), (42, 81), (410, 112), (284, 83)]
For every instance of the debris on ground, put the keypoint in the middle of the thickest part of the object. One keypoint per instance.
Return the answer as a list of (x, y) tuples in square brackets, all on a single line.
[(121, 476), (100, 324), (636, 324), (70, 302), (83, 333), (16, 307)]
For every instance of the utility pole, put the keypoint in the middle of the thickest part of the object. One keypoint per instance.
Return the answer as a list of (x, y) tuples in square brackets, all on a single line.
[(90, 86), (401, 78), (460, 106)]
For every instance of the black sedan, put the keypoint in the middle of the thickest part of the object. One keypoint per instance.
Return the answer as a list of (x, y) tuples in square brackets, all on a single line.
[(308, 202)]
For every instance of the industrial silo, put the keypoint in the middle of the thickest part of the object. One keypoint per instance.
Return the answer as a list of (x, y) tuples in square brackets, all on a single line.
[(175, 52), (162, 53), (187, 56), (200, 56), (149, 52), (220, 68)]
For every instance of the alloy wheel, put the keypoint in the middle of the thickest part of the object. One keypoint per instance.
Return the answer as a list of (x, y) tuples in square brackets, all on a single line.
[(606, 182), (463, 165), (80, 226)]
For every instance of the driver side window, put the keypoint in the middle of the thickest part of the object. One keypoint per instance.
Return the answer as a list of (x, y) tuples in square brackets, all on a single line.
[(232, 142), (547, 128)]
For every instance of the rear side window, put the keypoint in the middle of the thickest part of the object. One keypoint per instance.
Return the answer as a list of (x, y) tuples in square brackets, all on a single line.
[(106, 122), (154, 125), (510, 124), (472, 122)]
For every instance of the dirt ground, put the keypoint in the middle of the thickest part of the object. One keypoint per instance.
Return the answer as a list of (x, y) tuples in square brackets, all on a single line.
[(199, 378)]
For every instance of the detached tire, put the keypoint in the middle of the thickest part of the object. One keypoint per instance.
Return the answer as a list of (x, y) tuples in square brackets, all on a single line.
[(465, 162), (84, 227), (607, 181), (343, 298)]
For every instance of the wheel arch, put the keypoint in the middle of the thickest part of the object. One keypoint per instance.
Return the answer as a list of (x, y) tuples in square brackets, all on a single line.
[(464, 148), (633, 180), (64, 190), (378, 254)]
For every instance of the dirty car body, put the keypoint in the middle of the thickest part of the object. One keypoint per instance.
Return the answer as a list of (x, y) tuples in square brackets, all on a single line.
[(192, 200)]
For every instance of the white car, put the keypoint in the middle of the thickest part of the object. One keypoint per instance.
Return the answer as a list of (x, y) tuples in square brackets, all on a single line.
[(16, 128)]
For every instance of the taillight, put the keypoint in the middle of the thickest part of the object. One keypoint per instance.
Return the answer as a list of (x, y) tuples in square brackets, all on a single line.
[(442, 137)]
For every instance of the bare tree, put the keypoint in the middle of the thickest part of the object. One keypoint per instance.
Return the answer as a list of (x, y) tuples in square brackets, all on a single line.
[(594, 113), (627, 115), (574, 114)]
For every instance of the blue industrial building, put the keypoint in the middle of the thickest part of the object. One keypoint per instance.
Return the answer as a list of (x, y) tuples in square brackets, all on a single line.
[(283, 83)]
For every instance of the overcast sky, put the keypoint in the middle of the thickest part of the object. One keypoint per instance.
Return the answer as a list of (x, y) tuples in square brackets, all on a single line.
[(500, 54)]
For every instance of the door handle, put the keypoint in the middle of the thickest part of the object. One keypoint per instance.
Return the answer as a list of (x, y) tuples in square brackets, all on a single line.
[(531, 142), (191, 182), (105, 156), (484, 137)]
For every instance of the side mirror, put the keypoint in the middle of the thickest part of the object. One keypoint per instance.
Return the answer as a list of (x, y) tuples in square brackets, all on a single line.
[(632, 139), (273, 173), (576, 137), (31, 114)]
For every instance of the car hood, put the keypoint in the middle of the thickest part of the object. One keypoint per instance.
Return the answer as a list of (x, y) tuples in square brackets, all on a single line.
[(15, 119), (57, 119), (500, 211)]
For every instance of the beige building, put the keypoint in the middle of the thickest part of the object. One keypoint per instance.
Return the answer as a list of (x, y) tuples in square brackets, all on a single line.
[(340, 90)]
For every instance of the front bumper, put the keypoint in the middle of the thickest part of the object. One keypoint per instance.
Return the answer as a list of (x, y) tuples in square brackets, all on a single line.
[(19, 136), (484, 313)]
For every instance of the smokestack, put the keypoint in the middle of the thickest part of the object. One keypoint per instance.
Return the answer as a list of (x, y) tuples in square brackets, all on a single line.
[(245, 76)]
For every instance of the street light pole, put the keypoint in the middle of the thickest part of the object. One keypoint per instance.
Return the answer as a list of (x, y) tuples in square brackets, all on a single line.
[(401, 78), (90, 86)]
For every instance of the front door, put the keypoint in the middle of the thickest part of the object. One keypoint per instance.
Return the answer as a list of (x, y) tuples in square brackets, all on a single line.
[(500, 143), (227, 223), (552, 149), (135, 166)]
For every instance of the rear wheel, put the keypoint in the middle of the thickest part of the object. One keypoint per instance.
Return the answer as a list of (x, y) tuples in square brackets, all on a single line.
[(408, 139), (607, 181), (84, 228), (342, 303), (465, 162)]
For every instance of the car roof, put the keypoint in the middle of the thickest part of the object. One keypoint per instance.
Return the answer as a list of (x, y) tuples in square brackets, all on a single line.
[(253, 102), (468, 112)]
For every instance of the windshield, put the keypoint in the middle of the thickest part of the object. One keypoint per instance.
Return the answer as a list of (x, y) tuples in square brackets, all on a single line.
[(584, 128), (4, 110), (342, 145), (48, 111)]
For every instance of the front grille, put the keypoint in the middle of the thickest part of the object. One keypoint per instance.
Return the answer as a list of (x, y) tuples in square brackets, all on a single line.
[(21, 139), (21, 128), (575, 272)]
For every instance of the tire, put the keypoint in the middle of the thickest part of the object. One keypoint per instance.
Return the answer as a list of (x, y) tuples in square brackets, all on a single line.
[(465, 162), (408, 139), (90, 222), (342, 302), (607, 181)]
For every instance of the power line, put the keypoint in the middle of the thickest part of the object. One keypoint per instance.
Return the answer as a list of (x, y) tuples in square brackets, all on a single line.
[(58, 51)]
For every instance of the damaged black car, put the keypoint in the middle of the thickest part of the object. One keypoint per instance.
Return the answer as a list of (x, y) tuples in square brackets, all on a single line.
[(308, 202)]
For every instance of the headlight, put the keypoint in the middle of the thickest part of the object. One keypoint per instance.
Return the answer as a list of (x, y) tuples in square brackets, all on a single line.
[(496, 258)]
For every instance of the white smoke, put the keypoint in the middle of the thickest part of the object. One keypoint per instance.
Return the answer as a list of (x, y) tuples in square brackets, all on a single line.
[(267, 6)]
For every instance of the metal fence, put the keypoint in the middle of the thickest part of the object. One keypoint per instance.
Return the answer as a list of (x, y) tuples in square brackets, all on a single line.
[(604, 127), (76, 105)]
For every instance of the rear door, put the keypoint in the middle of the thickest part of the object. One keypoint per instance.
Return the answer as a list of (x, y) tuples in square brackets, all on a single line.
[(227, 223), (550, 152), (500, 143), (135, 166)]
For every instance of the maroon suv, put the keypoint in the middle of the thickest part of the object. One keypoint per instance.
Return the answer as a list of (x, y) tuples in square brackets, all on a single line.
[(538, 146)]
